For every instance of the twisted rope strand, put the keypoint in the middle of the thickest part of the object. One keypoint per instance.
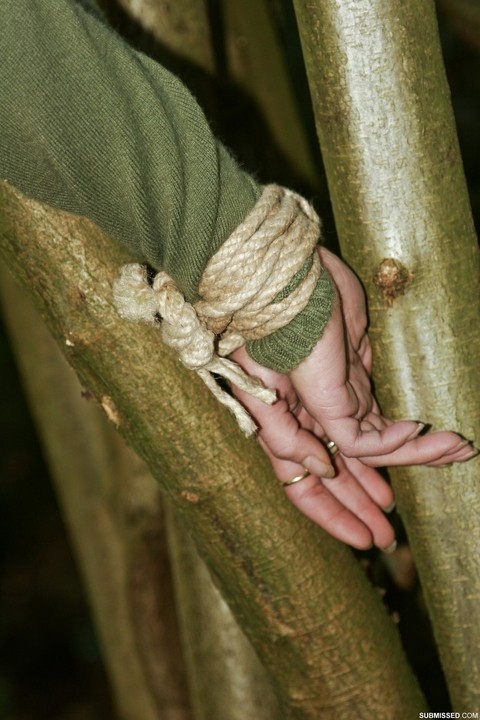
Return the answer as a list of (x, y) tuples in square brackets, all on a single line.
[(237, 291), (259, 258)]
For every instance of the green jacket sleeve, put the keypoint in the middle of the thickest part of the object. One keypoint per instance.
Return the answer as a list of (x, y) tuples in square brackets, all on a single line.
[(92, 126)]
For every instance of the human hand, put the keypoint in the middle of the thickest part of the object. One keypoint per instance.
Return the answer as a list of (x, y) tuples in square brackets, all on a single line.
[(329, 397)]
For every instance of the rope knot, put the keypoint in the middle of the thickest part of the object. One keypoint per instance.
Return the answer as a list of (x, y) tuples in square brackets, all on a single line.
[(238, 292), (182, 328)]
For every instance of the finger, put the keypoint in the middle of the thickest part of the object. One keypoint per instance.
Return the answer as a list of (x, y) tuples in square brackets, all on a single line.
[(349, 492), (376, 410), (312, 499), (335, 508), (365, 354), (439, 447), (372, 482), (336, 408), (361, 385), (316, 502), (462, 454), (372, 422), (286, 439), (352, 442)]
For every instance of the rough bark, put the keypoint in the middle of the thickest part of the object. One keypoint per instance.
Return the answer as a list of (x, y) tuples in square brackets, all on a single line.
[(115, 519), (395, 174), (299, 596), (117, 522), (227, 680), (215, 646)]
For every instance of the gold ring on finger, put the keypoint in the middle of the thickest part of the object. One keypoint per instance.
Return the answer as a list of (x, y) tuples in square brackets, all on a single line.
[(296, 479)]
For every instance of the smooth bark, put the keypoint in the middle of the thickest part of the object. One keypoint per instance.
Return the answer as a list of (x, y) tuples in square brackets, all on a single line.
[(389, 145), (299, 596)]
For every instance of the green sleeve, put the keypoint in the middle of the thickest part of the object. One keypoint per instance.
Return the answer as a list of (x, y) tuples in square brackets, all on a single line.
[(91, 126)]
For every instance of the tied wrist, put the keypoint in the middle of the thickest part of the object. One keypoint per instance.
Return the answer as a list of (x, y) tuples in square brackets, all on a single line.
[(241, 291)]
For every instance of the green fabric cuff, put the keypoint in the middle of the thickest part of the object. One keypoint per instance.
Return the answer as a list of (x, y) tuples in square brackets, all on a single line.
[(285, 349)]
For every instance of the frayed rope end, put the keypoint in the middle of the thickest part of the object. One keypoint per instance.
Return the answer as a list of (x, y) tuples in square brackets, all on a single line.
[(136, 300)]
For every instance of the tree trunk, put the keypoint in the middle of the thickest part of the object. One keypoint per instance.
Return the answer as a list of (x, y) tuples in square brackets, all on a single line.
[(118, 525), (390, 150), (299, 595), (227, 680), (115, 518), (241, 688)]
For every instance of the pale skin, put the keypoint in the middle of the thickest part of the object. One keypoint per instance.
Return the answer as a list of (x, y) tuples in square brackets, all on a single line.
[(329, 397)]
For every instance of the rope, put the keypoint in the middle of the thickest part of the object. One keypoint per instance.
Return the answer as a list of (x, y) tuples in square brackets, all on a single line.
[(237, 291)]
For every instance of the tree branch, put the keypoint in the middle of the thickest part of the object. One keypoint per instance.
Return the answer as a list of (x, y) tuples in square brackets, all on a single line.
[(299, 595)]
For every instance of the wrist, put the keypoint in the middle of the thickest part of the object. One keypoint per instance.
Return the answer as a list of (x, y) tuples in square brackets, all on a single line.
[(285, 349)]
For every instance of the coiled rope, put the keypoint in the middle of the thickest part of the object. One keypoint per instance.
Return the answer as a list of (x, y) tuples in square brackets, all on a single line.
[(237, 290)]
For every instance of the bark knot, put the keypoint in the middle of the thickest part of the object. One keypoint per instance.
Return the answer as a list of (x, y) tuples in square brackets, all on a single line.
[(392, 278), (190, 497)]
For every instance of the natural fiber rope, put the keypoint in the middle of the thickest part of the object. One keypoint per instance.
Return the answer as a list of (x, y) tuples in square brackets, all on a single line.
[(237, 291)]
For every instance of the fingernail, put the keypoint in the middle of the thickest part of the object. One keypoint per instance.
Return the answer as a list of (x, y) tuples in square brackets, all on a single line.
[(390, 508), (391, 548), (470, 455), (462, 443), (420, 427), (319, 467)]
